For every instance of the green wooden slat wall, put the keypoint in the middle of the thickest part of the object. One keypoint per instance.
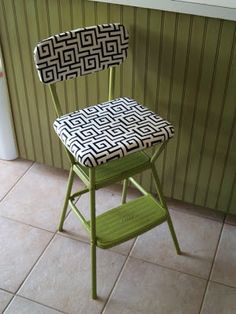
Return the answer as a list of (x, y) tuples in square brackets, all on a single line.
[(182, 66)]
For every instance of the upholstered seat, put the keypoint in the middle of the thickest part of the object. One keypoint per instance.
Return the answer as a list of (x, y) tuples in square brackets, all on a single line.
[(111, 130)]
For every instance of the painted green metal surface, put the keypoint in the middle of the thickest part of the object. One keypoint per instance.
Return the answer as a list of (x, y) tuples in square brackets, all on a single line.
[(66, 202), (116, 170), (128, 221), (182, 66)]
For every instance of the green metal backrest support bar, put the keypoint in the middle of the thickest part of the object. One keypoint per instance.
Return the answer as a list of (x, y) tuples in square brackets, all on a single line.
[(111, 83), (57, 108), (55, 99)]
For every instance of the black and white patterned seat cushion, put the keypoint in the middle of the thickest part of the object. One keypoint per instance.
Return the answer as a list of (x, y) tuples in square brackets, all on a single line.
[(111, 130)]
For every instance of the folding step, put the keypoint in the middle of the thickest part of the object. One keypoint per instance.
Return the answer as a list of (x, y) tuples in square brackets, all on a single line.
[(128, 221), (118, 169)]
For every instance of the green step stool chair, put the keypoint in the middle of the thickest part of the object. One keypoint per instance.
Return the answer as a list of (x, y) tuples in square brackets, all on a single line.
[(105, 143)]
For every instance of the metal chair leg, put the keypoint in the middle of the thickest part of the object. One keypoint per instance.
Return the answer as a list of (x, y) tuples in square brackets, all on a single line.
[(94, 271), (172, 231), (124, 191), (68, 192), (93, 232), (163, 203)]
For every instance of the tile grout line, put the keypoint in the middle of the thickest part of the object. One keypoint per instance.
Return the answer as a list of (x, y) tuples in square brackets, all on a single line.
[(25, 298), (28, 274), (23, 222), (16, 182), (84, 241), (168, 268), (12, 297), (230, 223), (5, 290), (47, 306), (26, 224), (36, 262), (7, 305), (195, 212), (213, 262), (118, 277), (223, 284)]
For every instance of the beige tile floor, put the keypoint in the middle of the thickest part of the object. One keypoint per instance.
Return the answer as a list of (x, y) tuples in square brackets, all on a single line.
[(43, 271)]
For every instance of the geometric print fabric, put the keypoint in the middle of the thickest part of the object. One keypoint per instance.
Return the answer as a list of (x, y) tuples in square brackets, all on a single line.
[(81, 51), (111, 130)]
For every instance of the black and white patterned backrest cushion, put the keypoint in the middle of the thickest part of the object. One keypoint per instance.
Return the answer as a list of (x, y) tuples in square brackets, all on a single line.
[(81, 51)]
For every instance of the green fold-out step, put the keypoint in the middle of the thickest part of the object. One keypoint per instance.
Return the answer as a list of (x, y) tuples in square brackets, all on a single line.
[(128, 221), (118, 169)]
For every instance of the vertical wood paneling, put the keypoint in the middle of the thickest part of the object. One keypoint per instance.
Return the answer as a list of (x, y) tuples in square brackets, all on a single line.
[(232, 200), (25, 52), (129, 20), (185, 97), (174, 95), (227, 183), (28, 14), (166, 173), (228, 180), (198, 51), (217, 111), (206, 146), (181, 66), (184, 119), (35, 11)]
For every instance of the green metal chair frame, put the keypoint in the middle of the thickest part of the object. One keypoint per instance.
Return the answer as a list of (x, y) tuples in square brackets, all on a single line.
[(94, 178)]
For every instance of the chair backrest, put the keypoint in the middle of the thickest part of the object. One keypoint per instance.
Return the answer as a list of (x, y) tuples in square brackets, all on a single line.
[(81, 51)]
